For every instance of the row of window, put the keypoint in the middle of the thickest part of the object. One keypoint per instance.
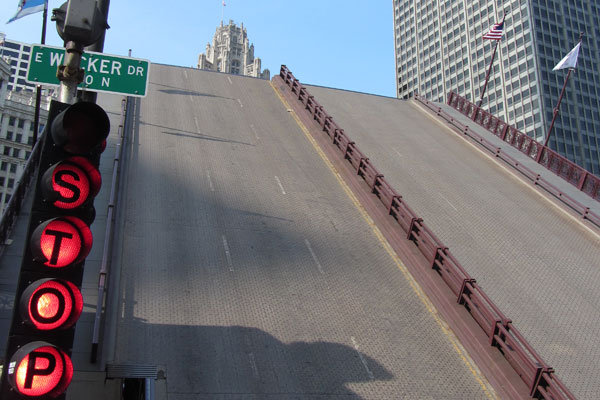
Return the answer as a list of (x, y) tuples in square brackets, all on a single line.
[(19, 123), (10, 183), (6, 166), (14, 152), (18, 137), (16, 46)]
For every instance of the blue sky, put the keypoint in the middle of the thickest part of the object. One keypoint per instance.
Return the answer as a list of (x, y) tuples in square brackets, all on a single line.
[(342, 44)]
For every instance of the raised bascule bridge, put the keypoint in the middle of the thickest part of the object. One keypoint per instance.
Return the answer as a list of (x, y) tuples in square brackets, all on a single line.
[(273, 240)]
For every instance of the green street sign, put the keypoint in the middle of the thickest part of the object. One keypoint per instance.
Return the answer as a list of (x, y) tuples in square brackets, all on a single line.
[(103, 72)]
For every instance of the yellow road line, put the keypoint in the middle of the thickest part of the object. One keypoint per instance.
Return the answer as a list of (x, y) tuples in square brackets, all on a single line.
[(485, 386)]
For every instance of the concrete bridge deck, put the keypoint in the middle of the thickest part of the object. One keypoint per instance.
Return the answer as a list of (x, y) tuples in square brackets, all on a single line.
[(536, 260), (247, 272)]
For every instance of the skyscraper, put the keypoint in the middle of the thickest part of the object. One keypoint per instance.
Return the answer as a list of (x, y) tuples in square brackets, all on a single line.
[(440, 48), (231, 52)]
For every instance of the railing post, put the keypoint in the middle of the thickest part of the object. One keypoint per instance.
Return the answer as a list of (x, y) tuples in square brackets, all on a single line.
[(413, 222), (378, 176), (495, 331), (581, 182), (348, 149), (399, 198), (538, 379), (476, 110), (336, 134), (504, 132), (438, 256), (463, 289), (360, 164)]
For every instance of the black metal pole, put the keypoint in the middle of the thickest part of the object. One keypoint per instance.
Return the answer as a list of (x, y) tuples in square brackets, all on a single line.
[(38, 91), (487, 77), (98, 47)]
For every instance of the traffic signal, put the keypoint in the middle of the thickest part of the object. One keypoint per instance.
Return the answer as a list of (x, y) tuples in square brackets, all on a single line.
[(48, 300)]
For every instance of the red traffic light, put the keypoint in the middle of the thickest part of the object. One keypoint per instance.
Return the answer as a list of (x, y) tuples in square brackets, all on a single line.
[(71, 182), (81, 128), (61, 241), (40, 369), (50, 304)]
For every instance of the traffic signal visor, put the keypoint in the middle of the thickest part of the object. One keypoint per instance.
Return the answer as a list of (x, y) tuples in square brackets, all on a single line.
[(81, 128)]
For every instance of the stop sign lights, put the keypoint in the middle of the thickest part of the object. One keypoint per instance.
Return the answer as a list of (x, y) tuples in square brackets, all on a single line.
[(60, 242), (40, 370), (70, 183), (48, 300), (50, 304)]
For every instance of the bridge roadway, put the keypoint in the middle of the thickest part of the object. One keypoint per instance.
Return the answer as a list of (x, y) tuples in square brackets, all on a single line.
[(536, 262), (246, 270)]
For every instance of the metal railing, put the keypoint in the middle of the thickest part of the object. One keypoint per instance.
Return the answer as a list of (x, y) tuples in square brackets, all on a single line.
[(566, 169), (537, 375), (126, 107), (13, 208)]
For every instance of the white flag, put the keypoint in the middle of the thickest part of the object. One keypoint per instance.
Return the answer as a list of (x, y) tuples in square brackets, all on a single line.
[(570, 60), (27, 7)]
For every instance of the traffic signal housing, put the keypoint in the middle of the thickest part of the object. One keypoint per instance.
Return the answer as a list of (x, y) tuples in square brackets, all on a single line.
[(48, 300)]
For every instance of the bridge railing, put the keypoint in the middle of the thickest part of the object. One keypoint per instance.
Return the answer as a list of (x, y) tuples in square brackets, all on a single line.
[(561, 166), (13, 208), (540, 379)]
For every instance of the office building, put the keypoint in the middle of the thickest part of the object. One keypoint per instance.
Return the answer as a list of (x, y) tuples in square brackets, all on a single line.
[(232, 53), (439, 48), (17, 109), (19, 54)]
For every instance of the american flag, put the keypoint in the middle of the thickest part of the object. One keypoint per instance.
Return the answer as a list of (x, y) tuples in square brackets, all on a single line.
[(495, 32)]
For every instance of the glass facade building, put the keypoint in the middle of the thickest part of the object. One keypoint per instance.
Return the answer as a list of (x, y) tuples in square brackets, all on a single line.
[(440, 48)]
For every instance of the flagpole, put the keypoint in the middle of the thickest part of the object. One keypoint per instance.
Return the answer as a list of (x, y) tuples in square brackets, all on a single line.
[(38, 92), (487, 77), (557, 108)]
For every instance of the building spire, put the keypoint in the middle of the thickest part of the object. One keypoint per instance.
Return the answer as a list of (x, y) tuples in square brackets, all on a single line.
[(222, 12)]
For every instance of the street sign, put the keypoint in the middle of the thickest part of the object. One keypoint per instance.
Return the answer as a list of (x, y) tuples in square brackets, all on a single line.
[(103, 72)]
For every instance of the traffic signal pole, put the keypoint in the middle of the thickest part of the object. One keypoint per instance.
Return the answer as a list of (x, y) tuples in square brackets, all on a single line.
[(70, 73), (98, 47), (79, 23), (48, 300)]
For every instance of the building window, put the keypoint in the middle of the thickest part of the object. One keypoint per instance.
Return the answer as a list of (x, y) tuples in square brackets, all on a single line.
[(11, 183), (13, 168), (3, 166)]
